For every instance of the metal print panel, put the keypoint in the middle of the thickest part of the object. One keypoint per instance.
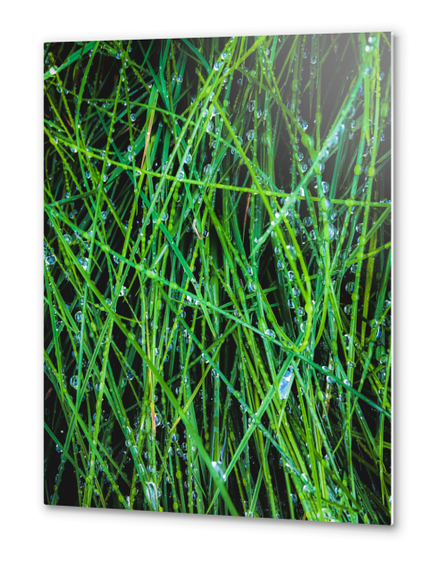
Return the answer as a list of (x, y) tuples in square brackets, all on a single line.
[(217, 248)]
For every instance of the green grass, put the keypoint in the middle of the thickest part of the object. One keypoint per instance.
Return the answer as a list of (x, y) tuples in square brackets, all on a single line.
[(217, 276)]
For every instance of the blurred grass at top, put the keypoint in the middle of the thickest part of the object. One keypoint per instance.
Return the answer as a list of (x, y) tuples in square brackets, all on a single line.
[(217, 249)]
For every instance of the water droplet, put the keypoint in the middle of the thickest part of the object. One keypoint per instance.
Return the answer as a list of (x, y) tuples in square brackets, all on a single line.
[(251, 287), (219, 469), (151, 494), (285, 385), (350, 287)]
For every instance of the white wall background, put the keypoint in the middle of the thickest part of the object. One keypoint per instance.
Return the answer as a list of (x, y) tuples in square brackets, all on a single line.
[(28, 528)]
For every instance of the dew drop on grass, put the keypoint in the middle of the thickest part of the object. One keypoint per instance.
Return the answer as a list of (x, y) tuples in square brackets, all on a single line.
[(350, 287), (83, 262), (151, 494), (251, 287), (284, 386), (219, 469)]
